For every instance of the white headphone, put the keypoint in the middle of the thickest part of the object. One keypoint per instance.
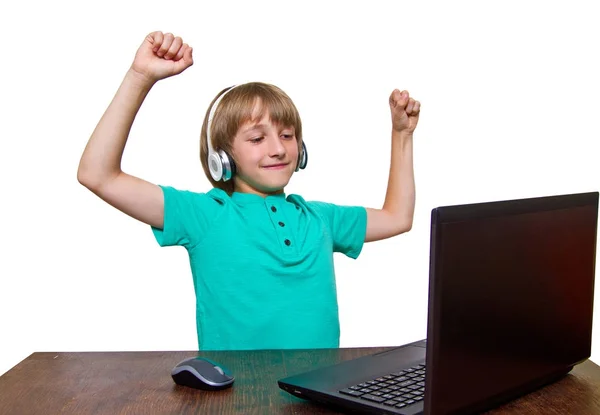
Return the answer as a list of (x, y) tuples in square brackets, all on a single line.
[(220, 164)]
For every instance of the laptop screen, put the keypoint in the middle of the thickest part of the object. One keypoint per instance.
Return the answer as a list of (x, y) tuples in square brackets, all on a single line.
[(511, 295)]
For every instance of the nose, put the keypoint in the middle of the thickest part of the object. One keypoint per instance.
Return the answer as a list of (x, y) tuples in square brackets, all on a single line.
[(276, 147)]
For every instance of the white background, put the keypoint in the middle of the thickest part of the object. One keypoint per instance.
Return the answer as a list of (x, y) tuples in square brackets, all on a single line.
[(510, 108)]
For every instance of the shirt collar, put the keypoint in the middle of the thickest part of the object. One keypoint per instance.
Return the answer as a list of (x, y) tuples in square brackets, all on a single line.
[(246, 198)]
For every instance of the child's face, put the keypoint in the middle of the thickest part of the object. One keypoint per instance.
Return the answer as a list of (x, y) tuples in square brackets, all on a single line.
[(265, 155)]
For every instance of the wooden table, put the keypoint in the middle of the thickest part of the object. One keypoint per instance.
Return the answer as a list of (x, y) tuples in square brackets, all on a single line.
[(140, 383)]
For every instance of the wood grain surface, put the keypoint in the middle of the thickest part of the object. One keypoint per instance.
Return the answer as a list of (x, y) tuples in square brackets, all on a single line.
[(140, 383)]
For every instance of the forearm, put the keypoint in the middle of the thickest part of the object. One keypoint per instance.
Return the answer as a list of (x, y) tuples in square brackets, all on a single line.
[(400, 196), (102, 156), (396, 215)]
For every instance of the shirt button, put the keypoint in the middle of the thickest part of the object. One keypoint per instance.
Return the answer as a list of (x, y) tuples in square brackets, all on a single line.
[(281, 224), (287, 242), (273, 209)]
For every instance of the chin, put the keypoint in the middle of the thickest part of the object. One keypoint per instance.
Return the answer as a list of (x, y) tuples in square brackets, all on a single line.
[(274, 183), (267, 182), (273, 186)]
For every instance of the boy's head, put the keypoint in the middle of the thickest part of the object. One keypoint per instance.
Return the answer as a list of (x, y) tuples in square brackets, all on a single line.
[(259, 127)]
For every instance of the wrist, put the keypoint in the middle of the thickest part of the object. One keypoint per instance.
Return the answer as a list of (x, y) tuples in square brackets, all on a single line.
[(139, 80), (402, 134)]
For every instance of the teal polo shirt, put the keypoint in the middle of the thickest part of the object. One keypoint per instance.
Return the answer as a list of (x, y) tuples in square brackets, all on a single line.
[(263, 267)]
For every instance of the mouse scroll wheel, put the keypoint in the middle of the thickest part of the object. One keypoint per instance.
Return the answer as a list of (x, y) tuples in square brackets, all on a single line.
[(219, 370)]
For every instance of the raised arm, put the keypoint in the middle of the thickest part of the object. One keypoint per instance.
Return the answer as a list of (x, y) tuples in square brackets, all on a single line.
[(160, 56), (396, 215)]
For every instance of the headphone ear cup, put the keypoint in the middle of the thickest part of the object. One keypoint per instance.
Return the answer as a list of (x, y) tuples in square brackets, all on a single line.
[(228, 166), (221, 166), (232, 166), (215, 166), (302, 158)]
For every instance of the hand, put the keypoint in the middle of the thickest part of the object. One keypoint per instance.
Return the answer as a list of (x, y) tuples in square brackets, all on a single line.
[(405, 111), (161, 56)]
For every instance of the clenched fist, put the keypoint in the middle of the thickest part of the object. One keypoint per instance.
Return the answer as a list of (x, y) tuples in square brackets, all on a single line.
[(405, 111), (160, 56)]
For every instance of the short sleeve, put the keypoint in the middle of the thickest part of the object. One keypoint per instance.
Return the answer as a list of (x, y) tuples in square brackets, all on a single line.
[(347, 224), (187, 216)]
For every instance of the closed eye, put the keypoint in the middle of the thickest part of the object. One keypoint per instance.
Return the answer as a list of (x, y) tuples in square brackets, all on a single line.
[(256, 139)]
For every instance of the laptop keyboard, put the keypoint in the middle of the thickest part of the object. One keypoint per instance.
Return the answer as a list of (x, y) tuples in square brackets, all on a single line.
[(398, 389)]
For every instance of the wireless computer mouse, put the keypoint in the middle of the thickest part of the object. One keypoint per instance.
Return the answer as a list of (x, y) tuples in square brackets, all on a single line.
[(201, 373)]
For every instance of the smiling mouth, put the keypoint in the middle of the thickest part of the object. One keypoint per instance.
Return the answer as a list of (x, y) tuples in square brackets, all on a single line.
[(275, 166)]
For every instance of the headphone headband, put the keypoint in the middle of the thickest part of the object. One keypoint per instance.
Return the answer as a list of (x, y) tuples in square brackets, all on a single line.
[(211, 115)]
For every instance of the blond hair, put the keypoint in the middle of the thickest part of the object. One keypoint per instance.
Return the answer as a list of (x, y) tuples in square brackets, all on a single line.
[(235, 109)]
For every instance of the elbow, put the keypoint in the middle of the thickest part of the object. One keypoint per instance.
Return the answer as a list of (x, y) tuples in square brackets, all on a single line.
[(83, 178), (399, 223), (405, 225), (93, 180), (86, 179)]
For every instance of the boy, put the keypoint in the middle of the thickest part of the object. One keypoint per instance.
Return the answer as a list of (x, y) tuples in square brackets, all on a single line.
[(262, 262)]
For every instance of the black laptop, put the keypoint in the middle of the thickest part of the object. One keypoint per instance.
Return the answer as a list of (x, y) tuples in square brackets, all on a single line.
[(511, 288)]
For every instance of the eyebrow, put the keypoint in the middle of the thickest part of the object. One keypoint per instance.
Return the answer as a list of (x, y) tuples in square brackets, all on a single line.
[(259, 127), (254, 127)]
